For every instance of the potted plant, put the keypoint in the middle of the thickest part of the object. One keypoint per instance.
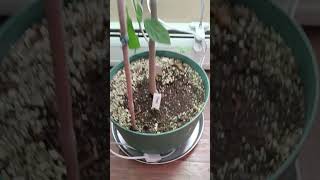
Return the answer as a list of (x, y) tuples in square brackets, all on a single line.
[(266, 90), (178, 83)]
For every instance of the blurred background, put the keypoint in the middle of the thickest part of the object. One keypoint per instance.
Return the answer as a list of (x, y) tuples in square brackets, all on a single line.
[(305, 12)]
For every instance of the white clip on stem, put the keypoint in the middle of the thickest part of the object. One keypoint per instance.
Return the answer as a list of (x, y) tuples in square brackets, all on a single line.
[(147, 157), (124, 40)]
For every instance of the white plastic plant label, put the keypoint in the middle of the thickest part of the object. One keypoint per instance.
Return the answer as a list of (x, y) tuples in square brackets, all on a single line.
[(156, 101)]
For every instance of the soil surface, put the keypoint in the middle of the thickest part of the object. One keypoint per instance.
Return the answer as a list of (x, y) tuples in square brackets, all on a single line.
[(258, 101), (182, 96)]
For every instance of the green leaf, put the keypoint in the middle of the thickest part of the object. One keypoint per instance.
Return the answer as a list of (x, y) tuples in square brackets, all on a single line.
[(133, 38), (139, 12), (156, 31)]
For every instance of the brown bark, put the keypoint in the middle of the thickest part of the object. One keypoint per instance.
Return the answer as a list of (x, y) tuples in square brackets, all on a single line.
[(66, 132), (152, 52), (123, 31), (152, 75)]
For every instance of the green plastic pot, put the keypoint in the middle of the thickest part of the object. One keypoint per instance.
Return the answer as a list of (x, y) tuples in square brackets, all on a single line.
[(295, 38), (14, 27), (167, 141)]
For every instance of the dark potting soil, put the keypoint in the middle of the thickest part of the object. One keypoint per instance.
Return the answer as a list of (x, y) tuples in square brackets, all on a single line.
[(182, 96), (173, 101), (258, 100)]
